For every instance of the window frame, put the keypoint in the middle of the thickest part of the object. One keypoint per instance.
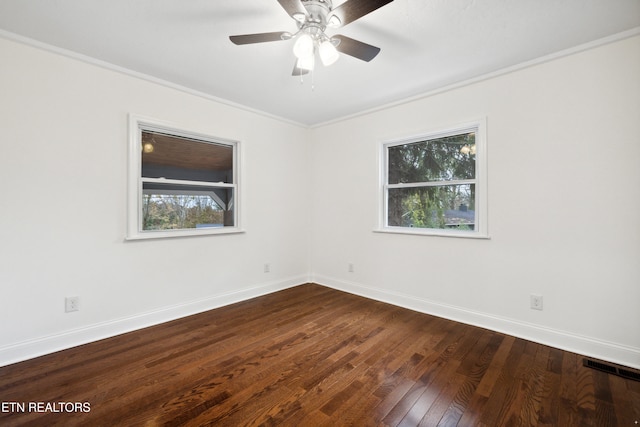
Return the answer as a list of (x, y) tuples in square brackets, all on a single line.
[(481, 218), (135, 180)]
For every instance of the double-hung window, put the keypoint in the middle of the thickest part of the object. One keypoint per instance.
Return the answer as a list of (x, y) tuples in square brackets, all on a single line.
[(181, 183), (436, 183)]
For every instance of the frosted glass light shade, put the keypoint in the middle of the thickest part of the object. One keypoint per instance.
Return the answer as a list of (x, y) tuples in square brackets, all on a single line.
[(328, 53), (303, 48), (306, 63)]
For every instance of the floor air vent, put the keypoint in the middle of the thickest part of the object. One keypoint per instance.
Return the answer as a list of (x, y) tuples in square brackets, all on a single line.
[(629, 374), (610, 369)]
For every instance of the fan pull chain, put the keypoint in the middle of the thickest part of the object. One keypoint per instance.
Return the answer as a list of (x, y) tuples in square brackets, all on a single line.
[(313, 86)]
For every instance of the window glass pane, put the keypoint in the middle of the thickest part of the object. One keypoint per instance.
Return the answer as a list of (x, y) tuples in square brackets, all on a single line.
[(175, 157), (177, 207), (441, 159), (440, 207)]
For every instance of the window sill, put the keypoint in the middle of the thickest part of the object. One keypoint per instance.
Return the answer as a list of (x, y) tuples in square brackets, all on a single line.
[(183, 233), (430, 232)]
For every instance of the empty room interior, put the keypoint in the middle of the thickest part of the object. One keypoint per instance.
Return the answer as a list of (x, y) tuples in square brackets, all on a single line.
[(306, 212)]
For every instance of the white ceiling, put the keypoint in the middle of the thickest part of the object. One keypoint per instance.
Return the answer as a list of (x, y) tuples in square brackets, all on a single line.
[(426, 45)]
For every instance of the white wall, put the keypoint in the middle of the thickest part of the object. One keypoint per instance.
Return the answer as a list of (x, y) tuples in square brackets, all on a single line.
[(564, 211), (63, 168)]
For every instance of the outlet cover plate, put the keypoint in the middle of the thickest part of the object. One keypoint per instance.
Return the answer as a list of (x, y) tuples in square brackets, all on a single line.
[(536, 302), (71, 304)]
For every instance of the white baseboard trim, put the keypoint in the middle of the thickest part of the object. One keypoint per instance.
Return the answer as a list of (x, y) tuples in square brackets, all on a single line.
[(586, 346), (30, 349)]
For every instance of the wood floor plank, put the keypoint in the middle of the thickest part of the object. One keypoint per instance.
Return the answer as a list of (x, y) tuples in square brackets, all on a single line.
[(626, 402), (315, 356), (473, 369), (496, 366), (438, 386), (568, 411), (605, 411), (585, 396), (549, 405), (502, 394)]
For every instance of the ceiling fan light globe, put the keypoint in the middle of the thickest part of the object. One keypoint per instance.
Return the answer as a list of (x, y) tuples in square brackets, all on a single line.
[(328, 53), (306, 63), (303, 48)]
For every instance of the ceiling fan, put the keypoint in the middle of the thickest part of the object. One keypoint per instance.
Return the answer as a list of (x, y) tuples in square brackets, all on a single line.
[(313, 17)]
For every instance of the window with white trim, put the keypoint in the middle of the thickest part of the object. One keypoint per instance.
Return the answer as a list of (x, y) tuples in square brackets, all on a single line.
[(181, 183), (436, 183)]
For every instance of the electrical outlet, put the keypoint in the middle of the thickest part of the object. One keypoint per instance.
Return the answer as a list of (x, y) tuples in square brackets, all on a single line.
[(350, 267), (71, 304), (536, 302), (267, 268)]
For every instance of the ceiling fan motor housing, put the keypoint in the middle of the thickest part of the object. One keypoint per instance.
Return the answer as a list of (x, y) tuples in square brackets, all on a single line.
[(318, 12)]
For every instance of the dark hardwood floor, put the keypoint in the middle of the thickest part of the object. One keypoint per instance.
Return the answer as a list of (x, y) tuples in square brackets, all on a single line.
[(311, 356)]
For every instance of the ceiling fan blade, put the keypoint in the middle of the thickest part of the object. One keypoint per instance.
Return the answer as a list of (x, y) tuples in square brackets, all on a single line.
[(293, 8), (260, 37), (297, 71), (356, 48), (351, 10)]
